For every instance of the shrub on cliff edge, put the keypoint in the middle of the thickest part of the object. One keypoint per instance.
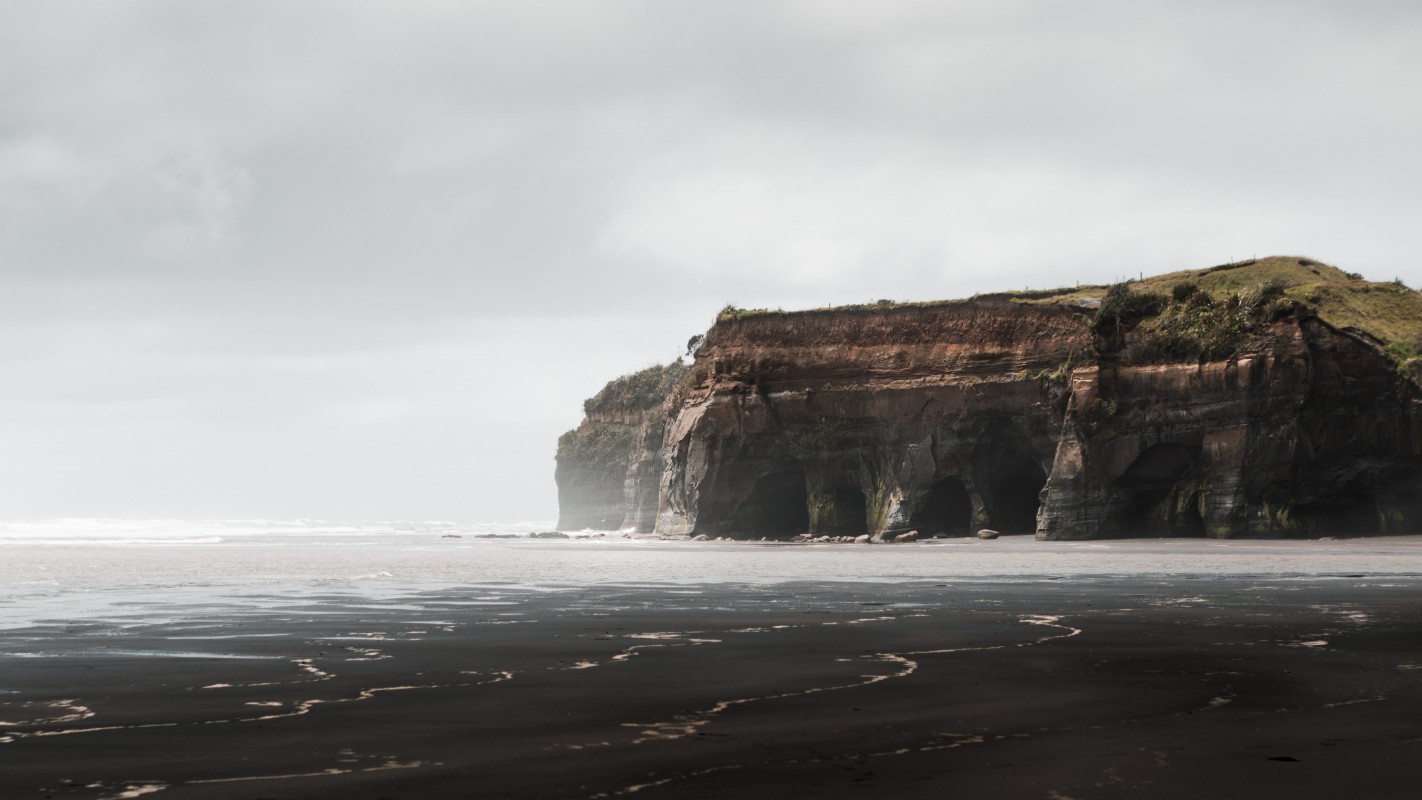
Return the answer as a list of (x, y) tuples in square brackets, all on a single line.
[(1121, 309), (638, 391), (1188, 324), (596, 444)]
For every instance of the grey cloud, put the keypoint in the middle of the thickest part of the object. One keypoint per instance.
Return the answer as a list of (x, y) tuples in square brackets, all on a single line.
[(292, 232)]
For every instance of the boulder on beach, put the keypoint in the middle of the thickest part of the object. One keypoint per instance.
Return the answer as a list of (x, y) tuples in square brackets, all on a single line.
[(907, 536), (988, 533), (863, 538), (549, 535)]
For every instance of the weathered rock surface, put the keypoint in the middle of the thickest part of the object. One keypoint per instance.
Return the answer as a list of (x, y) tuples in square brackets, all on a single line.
[(1313, 433), (869, 422), (1019, 418), (608, 467)]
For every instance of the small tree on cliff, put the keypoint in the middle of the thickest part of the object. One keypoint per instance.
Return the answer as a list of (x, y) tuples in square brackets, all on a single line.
[(1122, 308)]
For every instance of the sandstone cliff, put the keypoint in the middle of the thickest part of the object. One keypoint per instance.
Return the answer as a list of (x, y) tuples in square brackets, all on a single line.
[(1221, 402), (607, 467)]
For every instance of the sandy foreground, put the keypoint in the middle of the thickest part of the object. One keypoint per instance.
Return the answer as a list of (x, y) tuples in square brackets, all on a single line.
[(1072, 688)]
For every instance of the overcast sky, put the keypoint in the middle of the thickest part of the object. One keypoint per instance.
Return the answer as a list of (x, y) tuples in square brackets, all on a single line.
[(364, 260)]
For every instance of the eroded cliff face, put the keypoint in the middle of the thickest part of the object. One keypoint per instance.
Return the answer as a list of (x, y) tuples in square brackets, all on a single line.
[(872, 421), (1312, 433), (946, 418), (608, 467)]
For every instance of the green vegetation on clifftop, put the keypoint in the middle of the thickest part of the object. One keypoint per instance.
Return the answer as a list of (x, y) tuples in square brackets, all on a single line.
[(1188, 324), (605, 439), (638, 391), (1389, 312), (597, 444)]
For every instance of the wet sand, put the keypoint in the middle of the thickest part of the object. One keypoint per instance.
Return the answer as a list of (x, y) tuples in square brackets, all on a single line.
[(1308, 687)]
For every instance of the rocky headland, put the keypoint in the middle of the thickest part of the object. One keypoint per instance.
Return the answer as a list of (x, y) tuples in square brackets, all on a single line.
[(1268, 398)]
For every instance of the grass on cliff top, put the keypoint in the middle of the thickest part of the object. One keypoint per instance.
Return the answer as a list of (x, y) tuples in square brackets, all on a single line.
[(1188, 324), (1390, 312), (638, 391)]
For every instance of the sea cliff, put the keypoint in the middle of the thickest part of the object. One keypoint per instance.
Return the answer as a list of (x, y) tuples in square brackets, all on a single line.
[(608, 467), (1269, 398)]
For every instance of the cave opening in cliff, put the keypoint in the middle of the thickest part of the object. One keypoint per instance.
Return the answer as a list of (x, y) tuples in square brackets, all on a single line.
[(946, 509), (1159, 515), (851, 513), (1160, 500), (777, 507), (1010, 479), (1347, 513)]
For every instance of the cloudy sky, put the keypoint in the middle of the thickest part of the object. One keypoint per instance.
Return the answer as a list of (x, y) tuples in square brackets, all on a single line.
[(364, 260)]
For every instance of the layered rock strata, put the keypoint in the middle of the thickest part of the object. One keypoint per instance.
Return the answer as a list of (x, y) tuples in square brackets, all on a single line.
[(1023, 418), (1313, 433), (875, 421)]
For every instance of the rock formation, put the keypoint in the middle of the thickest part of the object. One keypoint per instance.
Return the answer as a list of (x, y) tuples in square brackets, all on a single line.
[(609, 465), (1222, 402)]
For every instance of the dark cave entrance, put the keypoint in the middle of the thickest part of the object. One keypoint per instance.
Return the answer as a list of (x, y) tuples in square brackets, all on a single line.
[(778, 506), (946, 509), (1011, 481), (1348, 513), (1153, 515), (851, 513), (1158, 505)]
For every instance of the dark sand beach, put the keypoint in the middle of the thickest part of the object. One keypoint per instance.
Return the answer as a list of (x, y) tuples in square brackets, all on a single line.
[(1031, 687)]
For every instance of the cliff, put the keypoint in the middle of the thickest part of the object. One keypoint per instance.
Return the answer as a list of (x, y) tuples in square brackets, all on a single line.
[(607, 467), (1246, 400)]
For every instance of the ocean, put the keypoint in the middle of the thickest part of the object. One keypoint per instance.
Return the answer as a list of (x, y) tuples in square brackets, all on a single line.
[(79, 568)]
